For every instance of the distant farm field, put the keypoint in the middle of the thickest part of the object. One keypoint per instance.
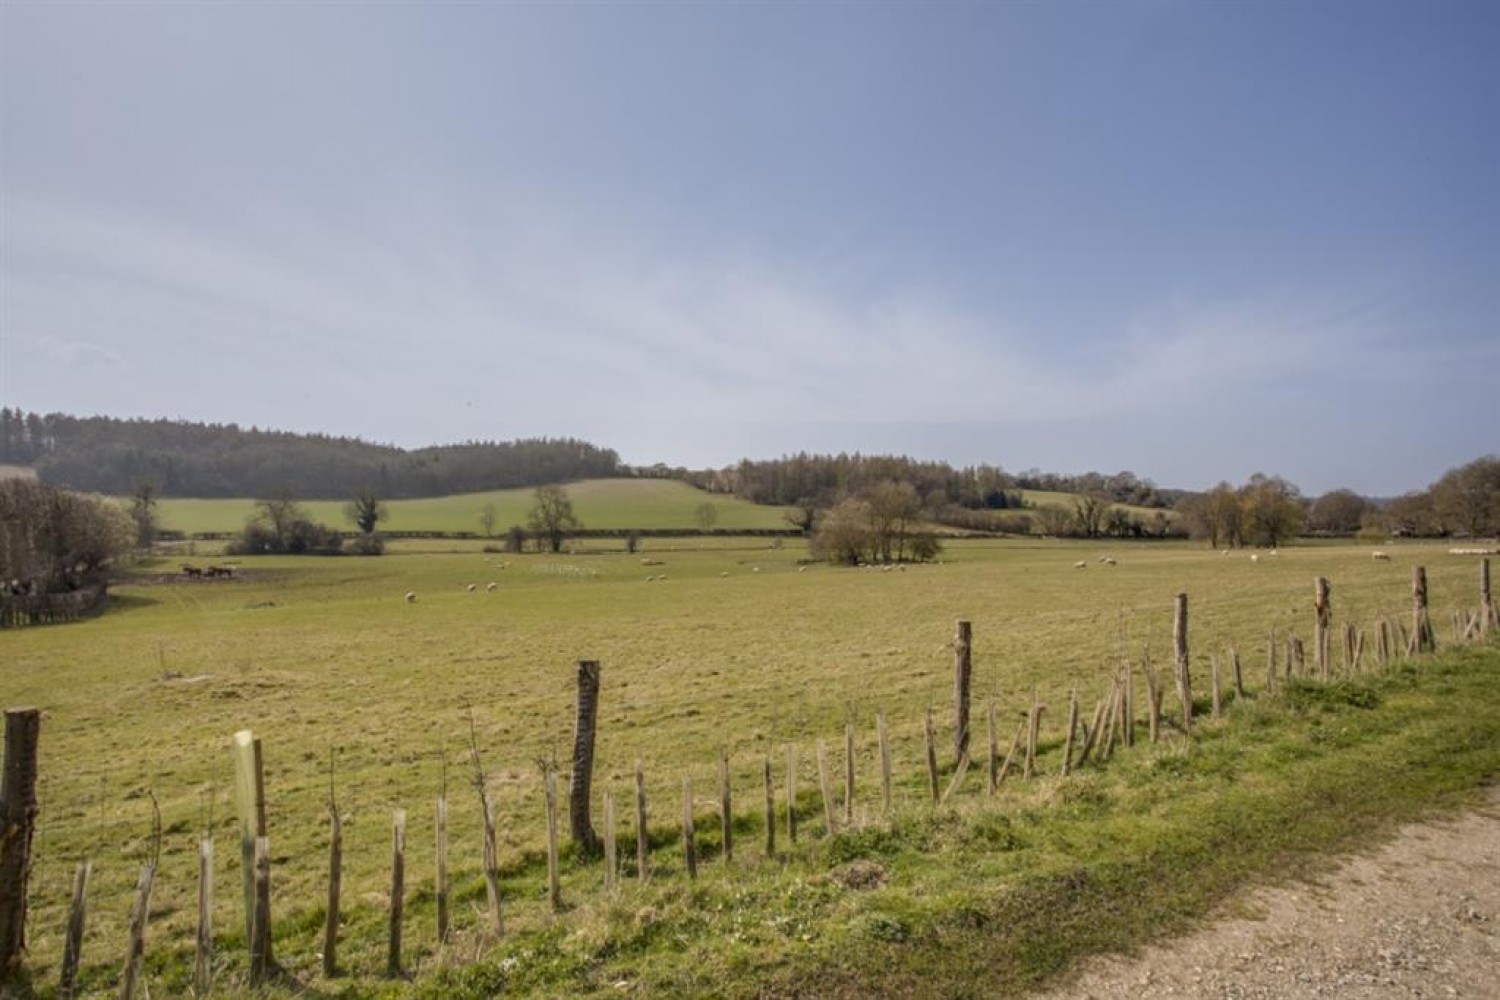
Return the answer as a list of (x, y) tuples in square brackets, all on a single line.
[(599, 503), (733, 647)]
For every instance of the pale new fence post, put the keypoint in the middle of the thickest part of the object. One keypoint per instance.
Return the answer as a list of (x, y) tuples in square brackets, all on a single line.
[(250, 807), (1180, 651), (203, 953), (962, 673), (18, 809)]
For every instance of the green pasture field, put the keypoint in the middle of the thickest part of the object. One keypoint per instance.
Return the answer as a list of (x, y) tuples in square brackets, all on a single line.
[(1052, 498), (599, 503), (736, 645)]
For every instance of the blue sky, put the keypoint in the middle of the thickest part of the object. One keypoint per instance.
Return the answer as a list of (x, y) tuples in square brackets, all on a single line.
[(1190, 240)]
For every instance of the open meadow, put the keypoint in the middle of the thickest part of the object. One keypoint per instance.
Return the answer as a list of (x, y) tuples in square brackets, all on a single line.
[(609, 504), (736, 645)]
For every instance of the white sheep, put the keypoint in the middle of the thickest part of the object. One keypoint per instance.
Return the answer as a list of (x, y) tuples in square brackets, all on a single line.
[(1081, 564), (1109, 560), (1377, 554), (471, 588), (724, 573), (411, 597), (801, 569), (490, 586), (1255, 557)]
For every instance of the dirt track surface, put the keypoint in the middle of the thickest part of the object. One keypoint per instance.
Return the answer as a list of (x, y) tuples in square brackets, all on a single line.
[(1418, 917)]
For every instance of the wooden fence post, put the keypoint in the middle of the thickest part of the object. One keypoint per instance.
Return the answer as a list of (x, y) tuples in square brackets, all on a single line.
[(580, 824), (791, 794), (726, 807), (335, 888), (1239, 676), (441, 834), (689, 846), (827, 792), (1180, 649), (250, 806), (554, 878), (398, 893), (73, 947), (849, 774), (18, 809), (611, 863), (1067, 766), (1033, 733), (260, 913), (932, 768), (1128, 703), (1324, 618), (135, 949), (991, 785), (1487, 619), (203, 952), (642, 846), (963, 643), (770, 812), (1215, 687), (1423, 638), (885, 763)]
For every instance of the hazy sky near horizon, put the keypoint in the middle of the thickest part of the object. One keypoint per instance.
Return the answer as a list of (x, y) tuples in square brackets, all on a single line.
[(1192, 240)]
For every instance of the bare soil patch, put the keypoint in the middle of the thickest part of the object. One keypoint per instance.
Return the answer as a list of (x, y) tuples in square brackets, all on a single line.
[(1418, 917)]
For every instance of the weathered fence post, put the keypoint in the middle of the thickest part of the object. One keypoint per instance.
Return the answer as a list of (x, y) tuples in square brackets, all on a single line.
[(398, 893), (1271, 662), (726, 806), (580, 824), (73, 947), (335, 885), (642, 846), (932, 768), (1215, 687), (826, 791), (441, 835), (1067, 766), (849, 774), (611, 864), (203, 952), (1324, 618), (18, 808), (1010, 755), (885, 763), (260, 912), (1180, 649), (554, 878), (1487, 620), (1239, 676), (1128, 703), (770, 812), (689, 845), (994, 759), (1033, 733), (791, 794), (1423, 639), (135, 949), (963, 643)]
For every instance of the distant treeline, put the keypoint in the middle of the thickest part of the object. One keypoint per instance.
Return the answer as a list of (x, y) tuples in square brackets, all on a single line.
[(796, 479), (183, 459)]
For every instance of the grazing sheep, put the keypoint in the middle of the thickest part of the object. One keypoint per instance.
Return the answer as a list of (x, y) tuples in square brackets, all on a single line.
[(490, 586), (724, 573), (755, 569), (1377, 554), (411, 597), (1255, 557), (1109, 560), (1081, 564), (471, 588), (801, 569)]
